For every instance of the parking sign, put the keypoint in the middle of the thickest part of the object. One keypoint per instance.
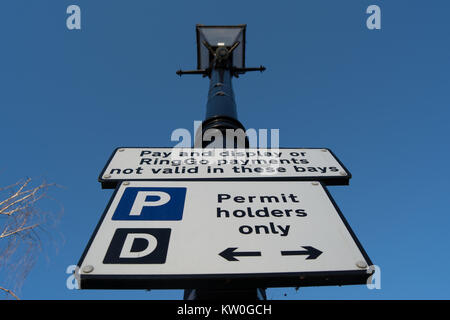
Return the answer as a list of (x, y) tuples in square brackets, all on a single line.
[(184, 234)]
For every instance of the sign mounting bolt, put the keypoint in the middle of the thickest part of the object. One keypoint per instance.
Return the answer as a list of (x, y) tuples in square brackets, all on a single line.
[(126, 183), (106, 176), (121, 150), (343, 173), (315, 183), (88, 268), (361, 264)]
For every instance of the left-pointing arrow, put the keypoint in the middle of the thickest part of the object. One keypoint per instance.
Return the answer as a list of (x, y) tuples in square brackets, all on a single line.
[(230, 254)]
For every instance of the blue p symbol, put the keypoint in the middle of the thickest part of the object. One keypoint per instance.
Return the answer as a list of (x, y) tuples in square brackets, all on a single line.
[(151, 204)]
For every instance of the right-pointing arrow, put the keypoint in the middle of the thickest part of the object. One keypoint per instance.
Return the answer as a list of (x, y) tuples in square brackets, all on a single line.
[(311, 252)]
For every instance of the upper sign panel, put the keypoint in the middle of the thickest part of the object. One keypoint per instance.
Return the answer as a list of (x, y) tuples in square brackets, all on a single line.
[(223, 164)]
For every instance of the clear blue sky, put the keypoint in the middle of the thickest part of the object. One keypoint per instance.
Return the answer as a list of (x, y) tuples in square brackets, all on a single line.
[(378, 99)]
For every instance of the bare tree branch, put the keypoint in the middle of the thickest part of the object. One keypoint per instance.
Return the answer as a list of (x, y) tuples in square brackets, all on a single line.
[(10, 293), (5, 234), (27, 197), (20, 224)]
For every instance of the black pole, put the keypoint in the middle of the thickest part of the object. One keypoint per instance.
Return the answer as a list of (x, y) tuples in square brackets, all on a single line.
[(221, 115), (221, 128)]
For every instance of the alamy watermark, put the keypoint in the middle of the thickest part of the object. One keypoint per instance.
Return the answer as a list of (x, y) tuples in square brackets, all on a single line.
[(374, 281), (226, 147), (71, 281), (73, 20), (256, 138)]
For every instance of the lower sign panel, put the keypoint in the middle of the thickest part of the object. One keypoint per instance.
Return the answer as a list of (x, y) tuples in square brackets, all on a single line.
[(196, 234)]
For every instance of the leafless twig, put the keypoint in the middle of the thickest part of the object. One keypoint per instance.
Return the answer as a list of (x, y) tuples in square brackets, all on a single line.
[(10, 293), (20, 221)]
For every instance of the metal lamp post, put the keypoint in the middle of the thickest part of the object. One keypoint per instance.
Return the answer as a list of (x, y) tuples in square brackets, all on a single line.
[(221, 56)]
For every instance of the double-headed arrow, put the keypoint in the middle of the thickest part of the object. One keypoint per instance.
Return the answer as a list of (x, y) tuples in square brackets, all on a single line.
[(230, 254), (311, 252)]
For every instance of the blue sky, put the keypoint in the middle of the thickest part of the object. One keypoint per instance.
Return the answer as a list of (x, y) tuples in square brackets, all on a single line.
[(379, 99)]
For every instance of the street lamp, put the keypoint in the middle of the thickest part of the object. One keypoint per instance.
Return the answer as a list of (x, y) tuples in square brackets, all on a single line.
[(220, 56)]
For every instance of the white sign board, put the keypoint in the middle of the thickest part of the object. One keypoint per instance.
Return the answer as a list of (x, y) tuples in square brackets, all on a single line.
[(185, 234), (223, 164)]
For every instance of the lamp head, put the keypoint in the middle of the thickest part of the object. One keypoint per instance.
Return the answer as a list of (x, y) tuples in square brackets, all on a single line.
[(220, 44), (220, 47)]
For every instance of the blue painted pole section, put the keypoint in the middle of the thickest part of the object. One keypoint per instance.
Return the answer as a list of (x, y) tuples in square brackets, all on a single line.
[(220, 96)]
